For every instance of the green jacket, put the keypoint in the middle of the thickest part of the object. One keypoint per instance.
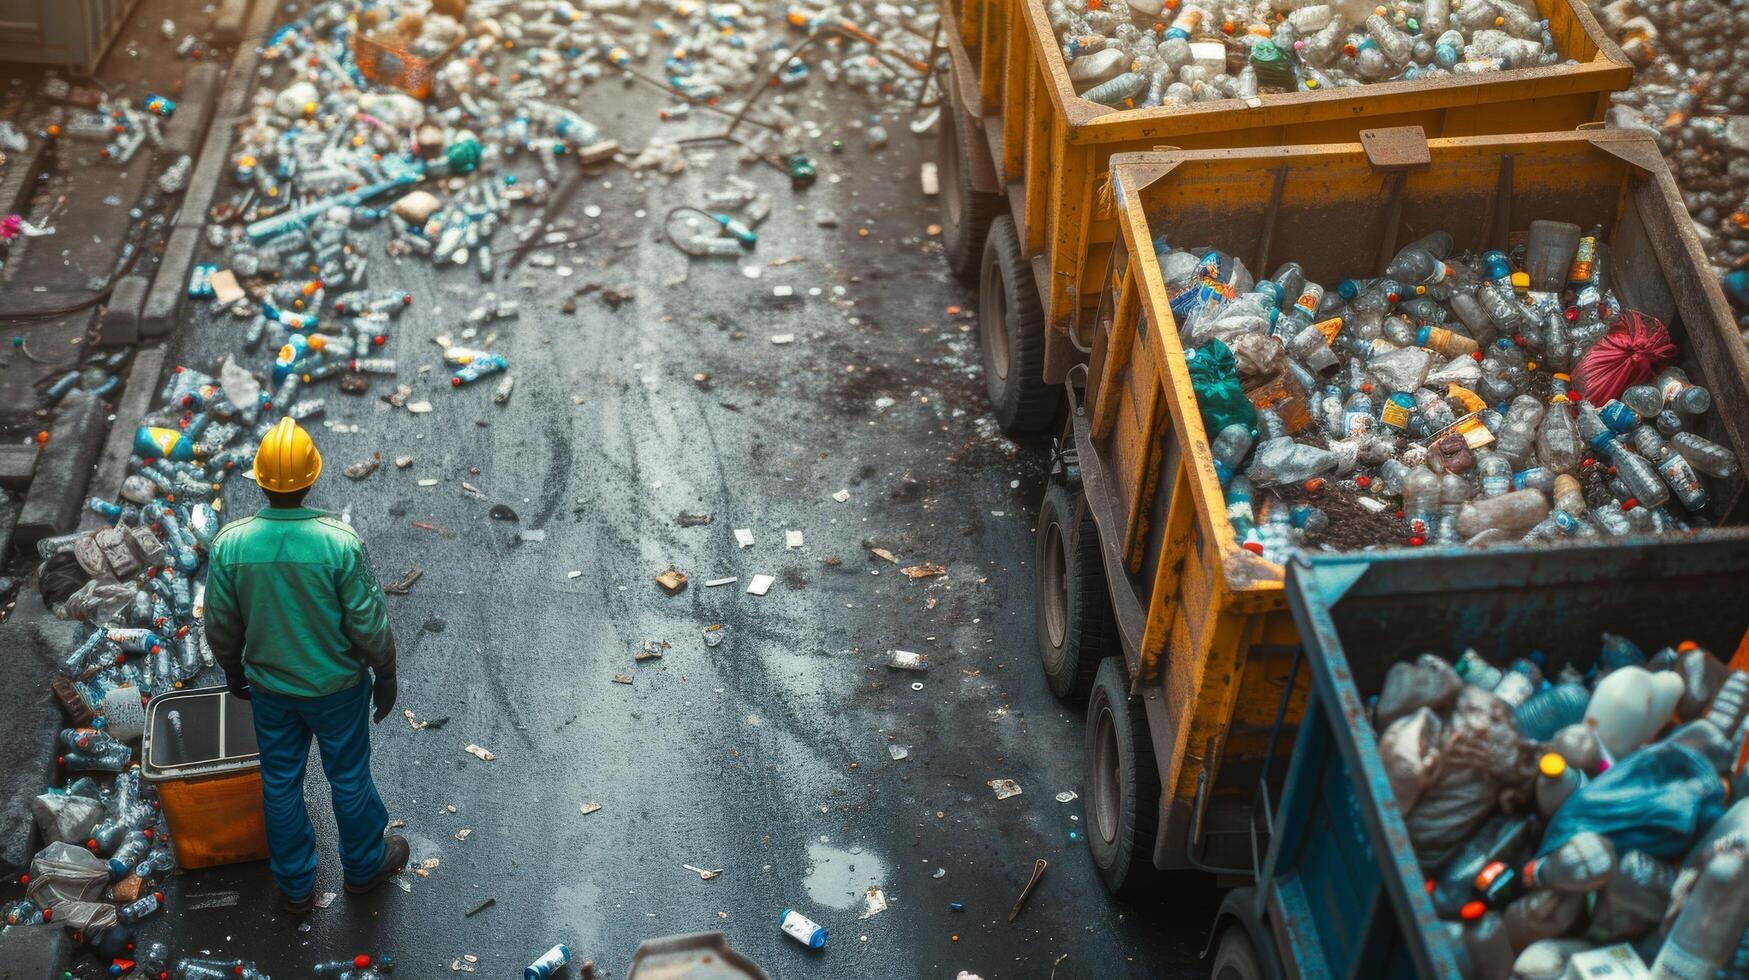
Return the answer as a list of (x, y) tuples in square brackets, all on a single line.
[(292, 600)]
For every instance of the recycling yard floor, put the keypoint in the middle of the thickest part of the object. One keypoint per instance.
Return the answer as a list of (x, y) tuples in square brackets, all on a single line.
[(767, 756)]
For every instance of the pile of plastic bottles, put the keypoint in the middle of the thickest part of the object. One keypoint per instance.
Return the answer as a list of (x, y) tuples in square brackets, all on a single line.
[(1447, 398), (1141, 53), (1559, 812), (1692, 93)]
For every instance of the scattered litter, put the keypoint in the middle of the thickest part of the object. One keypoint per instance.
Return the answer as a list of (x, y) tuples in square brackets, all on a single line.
[(1068, 796), (589, 807), (672, 580), (693, 520), (898, 752), (883, 554), (714, 634), (482, 754), (929, 176), (463, 833), (326, 899), (483, 906), (419, 407), (703, 873), (842, 496), (783, 338), (531, 536), (711, 583), (1005, 788), (500, 512), (1038, 872), (651, 650), (402, 462), (939, 874), (469, 963), (574, 573), (916, 685), (404, 584), (744, 537), (923, 571), (877, 902), (622, 678), (792, 540), (906, 660), (364, 468), (417, 723), (760, 585)]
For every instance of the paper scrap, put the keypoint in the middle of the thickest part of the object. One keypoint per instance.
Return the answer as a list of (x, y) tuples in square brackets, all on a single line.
[(744, 537), (484, 755), (792, 540), (1005, 788), (760, 585)]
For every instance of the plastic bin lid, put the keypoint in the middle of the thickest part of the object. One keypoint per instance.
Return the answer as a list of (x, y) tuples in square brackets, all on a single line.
[(195, 733)]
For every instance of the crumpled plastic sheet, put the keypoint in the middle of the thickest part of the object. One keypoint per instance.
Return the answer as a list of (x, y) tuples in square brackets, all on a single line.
[(70, 880), (62, 817)]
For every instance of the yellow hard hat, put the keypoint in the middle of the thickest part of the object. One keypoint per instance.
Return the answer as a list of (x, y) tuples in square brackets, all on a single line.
[(287, 459)]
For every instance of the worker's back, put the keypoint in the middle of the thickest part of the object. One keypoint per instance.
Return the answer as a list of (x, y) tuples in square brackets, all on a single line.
[(297, 584)]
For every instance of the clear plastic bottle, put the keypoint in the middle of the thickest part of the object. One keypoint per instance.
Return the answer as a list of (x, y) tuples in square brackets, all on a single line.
[(1518, 433), (1511, 514), (1680, 393), (1555, 782), (1229, 450), (1673, 468), (1711, 923), (1494, 472), (1558, 446), (1241, 516), (1540, 915), (137, 910), (1582, 864), (1630, 705), (1477, 671), (1421, 493), (1705, 455)]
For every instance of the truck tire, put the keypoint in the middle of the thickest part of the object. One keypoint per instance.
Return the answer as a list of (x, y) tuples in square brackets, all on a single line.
[(1236, 958), (1072, 614), (1123, 785), (1011, 330), (966, 212)]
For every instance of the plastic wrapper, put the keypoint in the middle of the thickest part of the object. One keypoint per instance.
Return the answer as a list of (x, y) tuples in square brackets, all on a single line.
[(1409, 750), (63, 817), (1426, 682), (1658, 800), (1219, 396), (62, 873)]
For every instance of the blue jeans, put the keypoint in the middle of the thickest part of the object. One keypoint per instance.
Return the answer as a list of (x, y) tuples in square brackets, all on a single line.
[(341, 724)]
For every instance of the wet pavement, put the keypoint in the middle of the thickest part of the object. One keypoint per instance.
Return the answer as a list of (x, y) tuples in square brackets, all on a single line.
[(768, 756)]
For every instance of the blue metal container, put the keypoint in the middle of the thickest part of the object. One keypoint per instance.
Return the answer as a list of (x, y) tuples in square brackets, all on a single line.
[(1338, 890)]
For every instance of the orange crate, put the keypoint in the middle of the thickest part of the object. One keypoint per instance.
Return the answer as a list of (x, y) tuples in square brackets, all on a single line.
[(396, 67), (199, 750)]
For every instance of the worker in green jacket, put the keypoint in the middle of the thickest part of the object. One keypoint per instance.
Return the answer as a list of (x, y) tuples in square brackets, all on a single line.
[(296, 617)]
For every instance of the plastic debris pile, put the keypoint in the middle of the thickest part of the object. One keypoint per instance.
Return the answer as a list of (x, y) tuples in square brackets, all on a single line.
[(1475, 399), (1692, 92), (1143, 53), (1556, 815)]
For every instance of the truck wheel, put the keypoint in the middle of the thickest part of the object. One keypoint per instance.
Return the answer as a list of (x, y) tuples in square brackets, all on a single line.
[(965, 212), (1071, 606), (1011, 327), (1235, 958), (1123, 798)]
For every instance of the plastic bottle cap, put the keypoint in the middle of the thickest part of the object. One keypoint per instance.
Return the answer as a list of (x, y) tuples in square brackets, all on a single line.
[(361, 961), (1472, 911), (1551, 765), (1521, 281)]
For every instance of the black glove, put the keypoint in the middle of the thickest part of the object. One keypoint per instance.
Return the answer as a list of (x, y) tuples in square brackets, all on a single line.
[(382, 694), (237, 684)]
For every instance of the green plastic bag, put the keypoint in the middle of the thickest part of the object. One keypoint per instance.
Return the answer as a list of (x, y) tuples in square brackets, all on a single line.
[(1214, 375)]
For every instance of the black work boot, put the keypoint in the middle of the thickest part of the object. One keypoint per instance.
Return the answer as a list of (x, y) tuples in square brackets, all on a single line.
[(394, 859)]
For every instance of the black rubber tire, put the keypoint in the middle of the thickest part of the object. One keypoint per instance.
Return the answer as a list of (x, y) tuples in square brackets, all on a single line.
[(966, 213), (1236, 958), (1123, 786), (1072, 615), (1011, 331)]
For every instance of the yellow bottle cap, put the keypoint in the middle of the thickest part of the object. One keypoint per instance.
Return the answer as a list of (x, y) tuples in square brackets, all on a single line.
[(1552, 765), (1521, 281)]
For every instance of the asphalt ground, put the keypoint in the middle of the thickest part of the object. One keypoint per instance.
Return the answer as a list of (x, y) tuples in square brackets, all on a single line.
[(768, 756)]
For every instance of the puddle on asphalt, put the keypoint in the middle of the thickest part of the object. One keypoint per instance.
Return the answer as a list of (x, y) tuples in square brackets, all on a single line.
[(840, 879)]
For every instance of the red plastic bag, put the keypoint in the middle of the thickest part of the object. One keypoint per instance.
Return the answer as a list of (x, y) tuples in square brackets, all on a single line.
[(1633, 350)]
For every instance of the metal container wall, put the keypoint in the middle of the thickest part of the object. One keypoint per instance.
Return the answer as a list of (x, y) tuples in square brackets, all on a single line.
[(1340, 883), (1204, 621), (1051, 148), (72, 33)]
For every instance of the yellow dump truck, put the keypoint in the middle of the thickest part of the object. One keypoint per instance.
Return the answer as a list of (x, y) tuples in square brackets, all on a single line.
[(1021, 155), (1179, 639)]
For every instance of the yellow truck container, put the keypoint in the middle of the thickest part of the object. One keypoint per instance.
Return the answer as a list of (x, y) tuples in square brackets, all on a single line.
[(1021, 154), (1146, 603)]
